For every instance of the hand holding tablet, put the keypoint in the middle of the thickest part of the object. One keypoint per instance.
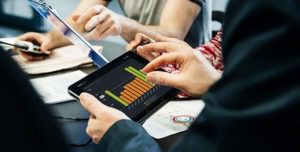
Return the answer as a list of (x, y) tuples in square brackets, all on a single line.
[(121, 85)]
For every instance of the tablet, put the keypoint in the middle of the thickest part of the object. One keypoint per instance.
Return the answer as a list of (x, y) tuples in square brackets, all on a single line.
[(52, 16), (121, 85)]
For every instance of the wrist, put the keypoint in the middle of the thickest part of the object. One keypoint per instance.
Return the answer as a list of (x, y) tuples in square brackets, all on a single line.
[(128, 28), (213, 74)]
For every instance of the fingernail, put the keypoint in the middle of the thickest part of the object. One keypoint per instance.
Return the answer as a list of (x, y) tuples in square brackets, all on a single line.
[(97, 10), (142, 70), (83, 96), (151, 78), (88, 27), (79, 20), (139, 48)]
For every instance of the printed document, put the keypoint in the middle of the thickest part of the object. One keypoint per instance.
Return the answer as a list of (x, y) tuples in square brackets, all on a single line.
[(54, 89), (174, 117)]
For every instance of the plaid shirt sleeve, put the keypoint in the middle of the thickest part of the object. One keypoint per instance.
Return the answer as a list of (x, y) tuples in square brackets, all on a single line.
[(213, 51)]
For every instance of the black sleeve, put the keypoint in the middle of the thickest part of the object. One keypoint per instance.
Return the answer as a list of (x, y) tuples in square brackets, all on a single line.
[(127, 136), (255, 106), (199, 2), (26, 124)]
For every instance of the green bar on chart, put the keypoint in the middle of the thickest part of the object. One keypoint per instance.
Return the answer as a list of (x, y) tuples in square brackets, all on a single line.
[(137, 71), (133, 72), (116, 98)]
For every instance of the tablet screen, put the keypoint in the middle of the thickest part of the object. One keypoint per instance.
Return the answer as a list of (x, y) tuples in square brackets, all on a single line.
[(124, 87)]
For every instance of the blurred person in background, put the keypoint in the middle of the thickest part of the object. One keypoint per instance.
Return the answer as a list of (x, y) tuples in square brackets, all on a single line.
[(182, 19)]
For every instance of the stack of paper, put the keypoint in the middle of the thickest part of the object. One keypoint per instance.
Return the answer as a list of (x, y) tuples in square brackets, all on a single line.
[(174, 117), (54, 89)]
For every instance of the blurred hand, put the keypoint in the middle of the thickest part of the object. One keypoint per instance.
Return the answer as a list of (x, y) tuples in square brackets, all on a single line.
[(196, 73), (140, 39), (100, 22), (151, 55), (171, 40), (49, 41), (39, 39), (102, 117)]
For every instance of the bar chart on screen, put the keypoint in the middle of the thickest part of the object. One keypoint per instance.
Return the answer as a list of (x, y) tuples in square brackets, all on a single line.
[(125, 87), (133, 90)]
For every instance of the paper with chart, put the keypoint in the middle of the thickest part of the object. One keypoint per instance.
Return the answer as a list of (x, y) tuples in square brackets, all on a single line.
[(174, 117), (54, 89)]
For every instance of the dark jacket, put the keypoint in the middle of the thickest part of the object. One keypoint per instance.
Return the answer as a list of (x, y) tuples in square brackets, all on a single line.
[(26, 124)]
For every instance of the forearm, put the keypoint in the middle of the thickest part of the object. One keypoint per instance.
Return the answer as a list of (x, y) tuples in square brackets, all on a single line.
[(130, 28), (172, 24), (126, 135)]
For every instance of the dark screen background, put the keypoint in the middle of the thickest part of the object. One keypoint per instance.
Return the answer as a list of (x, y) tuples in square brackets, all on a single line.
[(115, 80)]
